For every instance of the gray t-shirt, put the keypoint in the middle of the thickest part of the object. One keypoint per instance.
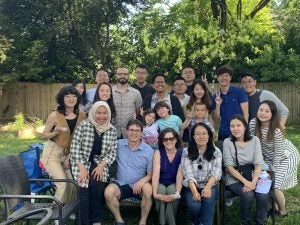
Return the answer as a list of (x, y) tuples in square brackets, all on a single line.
[(250, 153)]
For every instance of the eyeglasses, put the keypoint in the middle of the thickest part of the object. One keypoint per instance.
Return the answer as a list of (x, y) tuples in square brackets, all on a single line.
[(134, 130), (199, 162), (70, 96), (169, 139), (159, 82), (247, 82)]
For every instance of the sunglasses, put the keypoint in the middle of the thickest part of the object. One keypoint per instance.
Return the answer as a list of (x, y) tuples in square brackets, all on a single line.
[(169, 139), (199, 162)]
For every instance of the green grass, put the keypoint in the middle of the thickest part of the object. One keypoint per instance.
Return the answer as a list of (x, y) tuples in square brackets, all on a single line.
[(9, 144)]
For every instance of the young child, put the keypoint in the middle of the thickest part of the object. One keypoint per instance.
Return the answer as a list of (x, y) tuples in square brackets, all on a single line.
[(201, 111), (166, 120), (150, 131)]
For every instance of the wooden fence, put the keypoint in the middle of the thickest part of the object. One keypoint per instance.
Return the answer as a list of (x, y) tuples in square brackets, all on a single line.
[(38, 99)]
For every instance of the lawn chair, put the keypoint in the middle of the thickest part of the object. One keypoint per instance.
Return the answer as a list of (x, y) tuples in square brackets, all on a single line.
[(31, 162), (15, 192), (43, 221)]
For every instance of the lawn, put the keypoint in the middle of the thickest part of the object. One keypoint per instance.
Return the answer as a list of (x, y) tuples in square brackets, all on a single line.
[(9, 144)]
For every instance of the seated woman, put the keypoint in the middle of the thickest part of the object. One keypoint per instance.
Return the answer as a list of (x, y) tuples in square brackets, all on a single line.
[(93, 149), (248, 151), (202, 169), (279, 153), (167, 176)]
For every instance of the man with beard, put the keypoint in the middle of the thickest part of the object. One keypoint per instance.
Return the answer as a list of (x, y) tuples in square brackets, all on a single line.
[(127, 101)]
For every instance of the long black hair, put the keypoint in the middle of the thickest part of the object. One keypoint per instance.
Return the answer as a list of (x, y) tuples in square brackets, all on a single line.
[(83, 96), (206, 97), (60, 99), (247, 134), (109, 101), (193, 152)]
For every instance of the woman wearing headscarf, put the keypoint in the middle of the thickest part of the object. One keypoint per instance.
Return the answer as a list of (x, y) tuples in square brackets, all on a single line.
[(93, 150)]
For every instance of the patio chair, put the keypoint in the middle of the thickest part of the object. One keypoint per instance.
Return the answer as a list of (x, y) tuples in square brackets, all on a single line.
[(15, 192), (47, 215)]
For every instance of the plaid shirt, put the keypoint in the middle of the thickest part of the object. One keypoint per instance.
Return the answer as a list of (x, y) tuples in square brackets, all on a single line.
[(201, 176), (82, 144)]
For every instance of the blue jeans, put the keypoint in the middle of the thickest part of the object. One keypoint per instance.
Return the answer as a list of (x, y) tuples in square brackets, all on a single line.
[(246, 200), (201, 212)]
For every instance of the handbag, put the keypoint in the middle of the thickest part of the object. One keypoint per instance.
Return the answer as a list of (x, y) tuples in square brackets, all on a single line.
[(245, 170)]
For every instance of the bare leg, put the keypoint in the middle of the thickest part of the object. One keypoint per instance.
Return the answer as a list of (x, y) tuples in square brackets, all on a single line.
[(112, 195), (146, 202), (280, 201)]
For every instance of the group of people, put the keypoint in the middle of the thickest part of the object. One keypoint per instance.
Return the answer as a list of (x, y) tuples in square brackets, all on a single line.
[(142, 130)]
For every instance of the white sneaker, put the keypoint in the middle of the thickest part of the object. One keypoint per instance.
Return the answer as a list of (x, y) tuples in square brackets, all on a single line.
[(73, 216), (229, 202)]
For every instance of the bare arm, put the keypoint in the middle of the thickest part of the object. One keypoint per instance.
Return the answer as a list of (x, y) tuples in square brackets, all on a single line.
[(245, 110), (156, 172)]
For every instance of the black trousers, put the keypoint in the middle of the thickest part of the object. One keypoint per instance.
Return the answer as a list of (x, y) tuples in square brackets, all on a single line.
[(92, 201)]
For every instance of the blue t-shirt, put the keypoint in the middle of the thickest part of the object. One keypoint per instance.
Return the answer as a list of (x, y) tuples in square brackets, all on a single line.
[(168, 170), (132, 165), (230, 106), (171, 121)]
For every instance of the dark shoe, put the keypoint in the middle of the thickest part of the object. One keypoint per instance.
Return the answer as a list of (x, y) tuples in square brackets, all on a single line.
[(119, 223), (282, 214), (270, 213), (245, 223)]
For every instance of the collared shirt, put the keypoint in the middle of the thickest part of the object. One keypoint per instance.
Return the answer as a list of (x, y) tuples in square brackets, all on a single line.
[(82, 145), (90, 94), (166, 99), (231, 104), (212, 168), (127, 105), (132, 165)]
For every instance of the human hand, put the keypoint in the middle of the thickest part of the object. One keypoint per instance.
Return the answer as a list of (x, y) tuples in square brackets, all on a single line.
[(98, 172), (204, 79), (83, 176), (218, 99), (60, 129), (196, 196), (137, 187), (66, 164), (206, 192)]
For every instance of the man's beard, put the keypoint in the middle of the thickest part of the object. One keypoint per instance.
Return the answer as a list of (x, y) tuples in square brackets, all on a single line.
[(122, 80)]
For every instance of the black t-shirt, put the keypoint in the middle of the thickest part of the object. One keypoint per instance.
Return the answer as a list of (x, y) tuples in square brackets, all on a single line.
[(146, 90)]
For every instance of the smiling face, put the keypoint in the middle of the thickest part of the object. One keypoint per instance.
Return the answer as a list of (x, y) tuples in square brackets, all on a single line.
[(70, 100), (201, 136), (249, 85), (162, 112), (224, 79), (179, 87), (237, 129), (150, 118), (102, 76), (134, 133), (198, 91), (160, 84), (104, 92), (169, 141), (264, 113), (101, 115)]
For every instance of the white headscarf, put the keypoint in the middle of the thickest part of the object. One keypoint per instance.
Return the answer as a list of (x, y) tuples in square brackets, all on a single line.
[(103, 127)]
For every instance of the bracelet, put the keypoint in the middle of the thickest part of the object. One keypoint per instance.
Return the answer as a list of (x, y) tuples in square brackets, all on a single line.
[(176, 195)]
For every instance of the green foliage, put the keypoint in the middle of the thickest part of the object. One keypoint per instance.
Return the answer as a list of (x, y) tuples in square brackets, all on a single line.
[(24, 121)]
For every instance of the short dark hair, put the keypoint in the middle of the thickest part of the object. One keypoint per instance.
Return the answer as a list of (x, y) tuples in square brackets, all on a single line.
[(60, 99), (187, 66), (224, 69), (179, 78), (141, 65), (162, 135), (159, 74), (101, 68), (248, 74), (147, 112), (84, 100), (134, 122), (161, 104)]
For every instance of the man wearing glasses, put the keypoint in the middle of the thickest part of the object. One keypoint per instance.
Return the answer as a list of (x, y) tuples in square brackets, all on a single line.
[(134, 171), (127, 101)]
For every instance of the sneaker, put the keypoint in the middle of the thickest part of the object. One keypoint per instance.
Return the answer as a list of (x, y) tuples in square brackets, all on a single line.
[(73, 216)]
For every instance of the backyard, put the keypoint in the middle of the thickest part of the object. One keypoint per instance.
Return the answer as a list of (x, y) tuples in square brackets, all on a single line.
[(9, 144)]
